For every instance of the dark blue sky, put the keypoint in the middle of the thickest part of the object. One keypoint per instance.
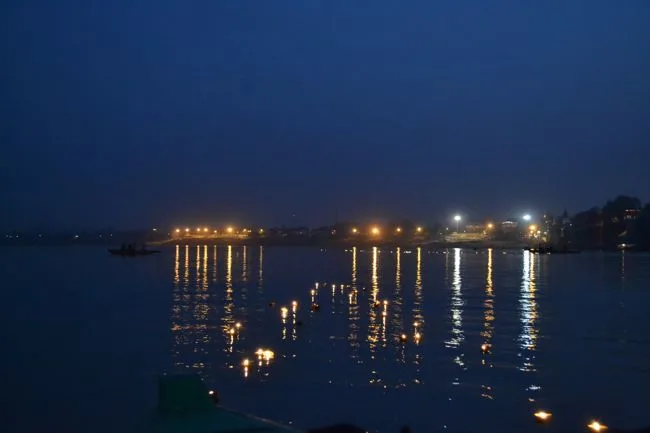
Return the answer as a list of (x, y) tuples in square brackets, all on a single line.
[(133, 113)]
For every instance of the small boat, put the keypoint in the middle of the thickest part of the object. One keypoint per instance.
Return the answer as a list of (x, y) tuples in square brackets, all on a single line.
[(542, 249)]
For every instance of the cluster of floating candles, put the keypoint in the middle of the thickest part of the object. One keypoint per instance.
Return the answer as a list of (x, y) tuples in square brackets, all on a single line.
[(266, 355), (542, 417)]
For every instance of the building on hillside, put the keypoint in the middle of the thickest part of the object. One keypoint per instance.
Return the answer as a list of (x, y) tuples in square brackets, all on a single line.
[(323, 232), (509, 225), (475, 228)]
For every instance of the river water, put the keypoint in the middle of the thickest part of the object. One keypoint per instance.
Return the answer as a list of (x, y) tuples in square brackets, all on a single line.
[(398, 338)]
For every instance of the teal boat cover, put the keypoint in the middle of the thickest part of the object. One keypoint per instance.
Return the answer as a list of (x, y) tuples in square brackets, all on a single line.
[(185, 406)]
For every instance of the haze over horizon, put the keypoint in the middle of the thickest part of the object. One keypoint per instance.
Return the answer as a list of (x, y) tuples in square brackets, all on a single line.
[(131, 114)]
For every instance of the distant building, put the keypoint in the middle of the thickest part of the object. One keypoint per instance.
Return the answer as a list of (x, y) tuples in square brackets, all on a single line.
[(323, 232), (546, 227), (510, 225), (470, 233), (475, 228), (208, 233), (285, 232)]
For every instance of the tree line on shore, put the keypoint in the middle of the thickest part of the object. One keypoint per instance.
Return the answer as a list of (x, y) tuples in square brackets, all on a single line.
[(623, 222)]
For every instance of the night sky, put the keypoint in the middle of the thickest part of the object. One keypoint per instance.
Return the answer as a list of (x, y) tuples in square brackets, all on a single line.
[(141, 113)]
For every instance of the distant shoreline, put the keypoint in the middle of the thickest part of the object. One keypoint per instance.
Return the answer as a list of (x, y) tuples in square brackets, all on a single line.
[(286, 242), (272, 242), (340, 243)]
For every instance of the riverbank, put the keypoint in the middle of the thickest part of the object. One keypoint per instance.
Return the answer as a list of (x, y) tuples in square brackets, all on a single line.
[(341, 243)]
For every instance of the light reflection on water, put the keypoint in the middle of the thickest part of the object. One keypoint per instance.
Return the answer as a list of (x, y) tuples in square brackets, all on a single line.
[(353, 310), (488, 327), (528, 311), (529, 317), (397, 307), (568, 334), (466, 297), (373, 326), (456, 307), (214, 264)]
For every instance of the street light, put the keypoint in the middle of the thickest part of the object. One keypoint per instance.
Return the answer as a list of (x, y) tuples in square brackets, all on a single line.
[(419, 229), (457, 218), (527, 217), (375, 230)]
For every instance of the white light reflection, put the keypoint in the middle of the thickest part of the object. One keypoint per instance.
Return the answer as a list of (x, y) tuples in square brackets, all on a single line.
[(488, 327), (373, 326), (227, 320), (189, 324), (214, 264), (284, 311), (354, 267), (183, 306), (197, 327), (244, 265), (353, 310), (456, 309), (457, 335), (198, 266), (397, 317), (177, 337), (243, 290), (418, 316), (383, 328), (186, 273), (488, 314), (177, 266), (528, 313), (418, 301), (375, 278), (205, 269), (294, 312)]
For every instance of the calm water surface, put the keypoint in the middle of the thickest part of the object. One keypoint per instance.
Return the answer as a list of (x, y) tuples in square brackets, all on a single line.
[(86, 334)]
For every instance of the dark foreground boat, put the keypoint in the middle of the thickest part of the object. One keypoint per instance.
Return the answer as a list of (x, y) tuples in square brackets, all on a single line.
[(185, 406), (131, 252)]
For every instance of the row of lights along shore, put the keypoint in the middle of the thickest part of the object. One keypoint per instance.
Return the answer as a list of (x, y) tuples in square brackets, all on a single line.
[(201, 230), (374, 230)]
